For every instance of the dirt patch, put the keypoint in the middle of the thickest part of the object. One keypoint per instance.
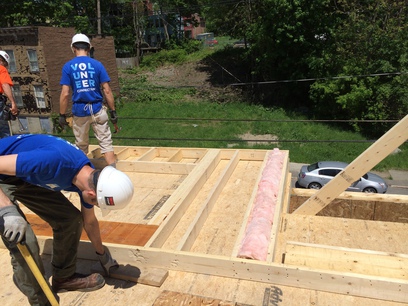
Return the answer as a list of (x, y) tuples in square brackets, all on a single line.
[(253, 140), (188, 74)]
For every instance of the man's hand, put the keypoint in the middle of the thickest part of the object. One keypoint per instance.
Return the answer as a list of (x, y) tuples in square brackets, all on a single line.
[(14, 224), (107, 261), (114, 116), (62, 120)]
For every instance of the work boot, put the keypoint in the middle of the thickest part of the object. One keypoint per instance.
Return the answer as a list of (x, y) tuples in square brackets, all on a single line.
[(78, 282)]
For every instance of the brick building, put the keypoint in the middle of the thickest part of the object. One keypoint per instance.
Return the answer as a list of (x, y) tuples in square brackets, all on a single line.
[(37, 55)]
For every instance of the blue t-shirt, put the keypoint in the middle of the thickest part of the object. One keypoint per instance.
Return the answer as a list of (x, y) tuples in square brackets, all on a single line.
[(45, 161), (85, 76)]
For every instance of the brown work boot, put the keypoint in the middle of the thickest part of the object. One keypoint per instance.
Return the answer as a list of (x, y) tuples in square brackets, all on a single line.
[(78, 282)]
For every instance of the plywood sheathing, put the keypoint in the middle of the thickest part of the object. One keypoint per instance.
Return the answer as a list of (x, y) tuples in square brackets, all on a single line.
[(357, 205)]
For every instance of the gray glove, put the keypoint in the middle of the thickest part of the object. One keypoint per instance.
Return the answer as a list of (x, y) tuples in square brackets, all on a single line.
[(62, 120), (107, 261), (114, 116), (14, 224)]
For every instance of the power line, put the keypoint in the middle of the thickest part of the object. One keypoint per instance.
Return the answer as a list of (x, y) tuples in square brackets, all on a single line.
[(264, 120), (235, 140), (320, 79)]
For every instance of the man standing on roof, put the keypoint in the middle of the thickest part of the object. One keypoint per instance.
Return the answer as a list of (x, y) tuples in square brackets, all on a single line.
[(5, 92), (87, 76), (33, 170)]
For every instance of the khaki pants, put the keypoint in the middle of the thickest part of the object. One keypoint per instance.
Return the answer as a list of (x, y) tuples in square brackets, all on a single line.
[(100, 126), (66, 222)]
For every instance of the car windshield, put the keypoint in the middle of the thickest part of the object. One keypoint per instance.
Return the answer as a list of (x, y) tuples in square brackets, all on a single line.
[(365, 176), (312, 167)]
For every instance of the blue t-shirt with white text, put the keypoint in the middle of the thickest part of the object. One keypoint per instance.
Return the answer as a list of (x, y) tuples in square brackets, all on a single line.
[(85, 76), (45, 161)]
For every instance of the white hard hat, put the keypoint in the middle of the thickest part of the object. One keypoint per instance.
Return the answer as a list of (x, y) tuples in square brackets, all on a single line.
[(4, 55), (80, 38), (114, 190)]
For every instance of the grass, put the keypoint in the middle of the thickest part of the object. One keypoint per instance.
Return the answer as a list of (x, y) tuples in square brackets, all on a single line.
[(180, 117)]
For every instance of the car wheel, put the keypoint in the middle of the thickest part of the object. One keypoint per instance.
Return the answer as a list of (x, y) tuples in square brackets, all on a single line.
[(370, 190), (314, 186)]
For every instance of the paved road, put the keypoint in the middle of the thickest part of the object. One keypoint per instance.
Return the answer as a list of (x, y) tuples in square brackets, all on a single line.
[(397, 180)]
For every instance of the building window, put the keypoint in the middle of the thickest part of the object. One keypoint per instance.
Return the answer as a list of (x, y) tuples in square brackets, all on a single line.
[(16, 89), (39, 96), (32, 58), (12, 65)]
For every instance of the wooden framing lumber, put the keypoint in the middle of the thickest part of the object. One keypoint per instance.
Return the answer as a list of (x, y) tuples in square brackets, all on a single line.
[(191, 234), (177, 204), (342, 259), (278, 209), (148, 276), (382, 288), (384, 146)]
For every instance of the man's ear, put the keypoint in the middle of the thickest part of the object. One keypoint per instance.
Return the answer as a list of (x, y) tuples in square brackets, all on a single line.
[(90, 192)]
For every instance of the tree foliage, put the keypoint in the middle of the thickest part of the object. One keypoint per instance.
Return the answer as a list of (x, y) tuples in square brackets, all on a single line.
[(342, 59)]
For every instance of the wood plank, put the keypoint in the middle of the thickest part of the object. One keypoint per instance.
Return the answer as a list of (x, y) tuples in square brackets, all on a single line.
[(323, 280), (146, 276), (384, 146), (342, 259), (149, 155), (176, 157), (155, 167), (356, 196), (167, 298), (111, 232), (278, 209), (176, 205), (196, 225)]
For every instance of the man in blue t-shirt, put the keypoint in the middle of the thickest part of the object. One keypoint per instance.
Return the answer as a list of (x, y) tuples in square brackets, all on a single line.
[(34, 169), (87, 78)]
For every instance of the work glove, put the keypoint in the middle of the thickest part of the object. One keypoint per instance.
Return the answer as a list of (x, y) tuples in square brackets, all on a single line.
[(114, 116), (14, 224), (107, 261), (62, 120)]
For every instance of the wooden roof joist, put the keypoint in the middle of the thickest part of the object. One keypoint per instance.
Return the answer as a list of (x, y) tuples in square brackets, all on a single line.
[(382, 288)]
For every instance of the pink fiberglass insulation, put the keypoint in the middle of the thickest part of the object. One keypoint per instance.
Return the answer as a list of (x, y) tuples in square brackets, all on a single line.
[(255, 243)]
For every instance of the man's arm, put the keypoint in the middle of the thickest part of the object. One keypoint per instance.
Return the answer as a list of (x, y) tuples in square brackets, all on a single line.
[(108, 95), (91, 226), (64, 97), (7, 91), (7, 167), (8, 164)]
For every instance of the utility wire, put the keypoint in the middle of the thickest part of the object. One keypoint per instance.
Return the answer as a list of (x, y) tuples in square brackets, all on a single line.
[(238, 140), (319, 79), (260, 120)]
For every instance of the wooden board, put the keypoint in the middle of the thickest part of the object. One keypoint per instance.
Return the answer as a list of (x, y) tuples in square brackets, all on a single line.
[(146, 276), (111, 232), (342, 259), (357, 168), (167, 298)]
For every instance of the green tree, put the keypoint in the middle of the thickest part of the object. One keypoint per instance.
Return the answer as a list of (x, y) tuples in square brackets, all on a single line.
[(369, 42)]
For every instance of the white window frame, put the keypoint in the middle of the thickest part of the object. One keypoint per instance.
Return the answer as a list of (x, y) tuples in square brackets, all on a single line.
[(39, 96), (18, 97), (33, 60), (12, 65)]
